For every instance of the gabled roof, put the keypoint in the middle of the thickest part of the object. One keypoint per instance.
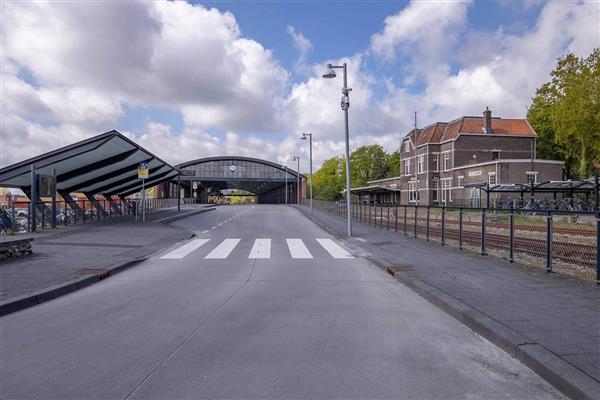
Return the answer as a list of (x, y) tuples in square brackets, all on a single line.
[(439, 132), (500, 126), (104, 164)]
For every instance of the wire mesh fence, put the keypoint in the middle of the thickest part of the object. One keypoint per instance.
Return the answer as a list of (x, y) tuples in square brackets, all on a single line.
[(559, 241)]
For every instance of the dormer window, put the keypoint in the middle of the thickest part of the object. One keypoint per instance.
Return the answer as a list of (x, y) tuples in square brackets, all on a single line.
[(407, 146)]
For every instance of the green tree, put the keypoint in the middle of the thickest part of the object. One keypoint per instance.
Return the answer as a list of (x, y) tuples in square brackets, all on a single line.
[(393, 164), (328, 180), (367, 163), (566, 114)]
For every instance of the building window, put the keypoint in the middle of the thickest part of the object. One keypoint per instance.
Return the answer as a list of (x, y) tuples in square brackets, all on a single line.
[(495, 155), (460, 182), (421, 164), (412, 191), (447, 165), (407, 146), (434, 193), (436, 160), (492, 178), (446, 190), (531, 177), (407, 167)]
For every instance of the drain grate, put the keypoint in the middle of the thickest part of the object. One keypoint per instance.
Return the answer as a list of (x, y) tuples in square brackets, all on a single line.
[(100, 273), (382, 243), (392, 269)]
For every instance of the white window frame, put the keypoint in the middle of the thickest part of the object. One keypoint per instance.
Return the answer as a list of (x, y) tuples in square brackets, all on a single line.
[(412, 192), (447, 161), (446, 190), (490, 175), (531, 173), (461, 181), (421, 163), (407, 166), (436, 162), (407, 146)]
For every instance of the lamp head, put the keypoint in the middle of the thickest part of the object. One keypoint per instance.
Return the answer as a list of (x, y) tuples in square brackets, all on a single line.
[(304, 136), (330, 73)]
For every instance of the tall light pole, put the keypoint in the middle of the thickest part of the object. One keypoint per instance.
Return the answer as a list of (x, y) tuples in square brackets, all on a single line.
[(286, 184), (345, 103), (297, 158), (304, 136)]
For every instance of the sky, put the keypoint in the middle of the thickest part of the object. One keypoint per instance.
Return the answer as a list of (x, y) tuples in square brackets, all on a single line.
[(194, 79)]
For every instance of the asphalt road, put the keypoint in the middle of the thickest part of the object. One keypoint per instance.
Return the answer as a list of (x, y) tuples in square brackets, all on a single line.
[(240, 311)]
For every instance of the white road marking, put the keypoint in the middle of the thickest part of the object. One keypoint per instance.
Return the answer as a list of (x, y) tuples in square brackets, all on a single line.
[(204, 231), (298, 249), (185, 249), (261, 249), (334, 249), (223, 250)]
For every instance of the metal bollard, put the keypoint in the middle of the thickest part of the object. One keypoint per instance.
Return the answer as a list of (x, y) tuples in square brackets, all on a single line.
[(396, 218), (483, 213), (405, 212), (388, 218), (460, 228), (511, 236), (548, 241), (597, 248), (443, 233), (416, 216), (427, 225)]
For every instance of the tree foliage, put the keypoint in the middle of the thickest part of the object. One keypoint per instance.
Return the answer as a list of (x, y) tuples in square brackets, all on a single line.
[(367, 163), (566, 114)]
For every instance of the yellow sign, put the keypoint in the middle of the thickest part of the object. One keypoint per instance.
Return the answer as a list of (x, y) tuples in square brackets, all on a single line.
[(143, 171)]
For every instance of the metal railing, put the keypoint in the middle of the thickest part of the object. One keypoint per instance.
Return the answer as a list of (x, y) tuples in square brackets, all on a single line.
[(17, 217), (566, 242)]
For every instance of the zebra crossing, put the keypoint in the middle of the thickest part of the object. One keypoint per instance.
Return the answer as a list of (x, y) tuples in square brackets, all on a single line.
[(261, 249)]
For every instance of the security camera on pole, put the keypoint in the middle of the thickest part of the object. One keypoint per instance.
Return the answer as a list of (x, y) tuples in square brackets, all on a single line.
[(143, 175)]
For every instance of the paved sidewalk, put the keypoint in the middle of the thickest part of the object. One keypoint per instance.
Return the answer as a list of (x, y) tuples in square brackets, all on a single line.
[(69, 253), (539, 317)]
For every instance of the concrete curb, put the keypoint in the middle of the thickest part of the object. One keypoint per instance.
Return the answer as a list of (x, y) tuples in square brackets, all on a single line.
[(41, 296), (559, 373), (173, 218), (44, 295)]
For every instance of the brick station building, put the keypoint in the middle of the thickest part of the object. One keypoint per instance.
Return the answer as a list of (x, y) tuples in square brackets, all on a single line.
[(437, 161)]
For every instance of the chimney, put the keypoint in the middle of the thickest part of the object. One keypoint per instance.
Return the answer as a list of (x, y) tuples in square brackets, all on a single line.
[(487, 117)]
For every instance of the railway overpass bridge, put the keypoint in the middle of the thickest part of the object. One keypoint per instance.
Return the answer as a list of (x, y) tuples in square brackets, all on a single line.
[(267, 180)]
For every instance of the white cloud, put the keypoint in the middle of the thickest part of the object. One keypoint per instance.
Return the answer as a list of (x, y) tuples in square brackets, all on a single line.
[(195, 60), (503, 70), (170, 54), (304, 46), (425, 32)]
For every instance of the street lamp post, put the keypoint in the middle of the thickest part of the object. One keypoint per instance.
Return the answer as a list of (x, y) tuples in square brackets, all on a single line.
[(297, 158), (304, 136), (345, 103), (286, 185)]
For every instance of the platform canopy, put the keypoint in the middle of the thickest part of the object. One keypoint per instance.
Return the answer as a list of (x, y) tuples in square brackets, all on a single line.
[(373, 190), (105, 164), (570, 186)]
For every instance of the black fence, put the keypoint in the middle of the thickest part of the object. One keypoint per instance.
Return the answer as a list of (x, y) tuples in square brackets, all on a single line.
[(17, 217), (560, 241)]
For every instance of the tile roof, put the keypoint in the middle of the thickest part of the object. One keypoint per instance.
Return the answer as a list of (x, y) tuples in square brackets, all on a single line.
[(443, 131)]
